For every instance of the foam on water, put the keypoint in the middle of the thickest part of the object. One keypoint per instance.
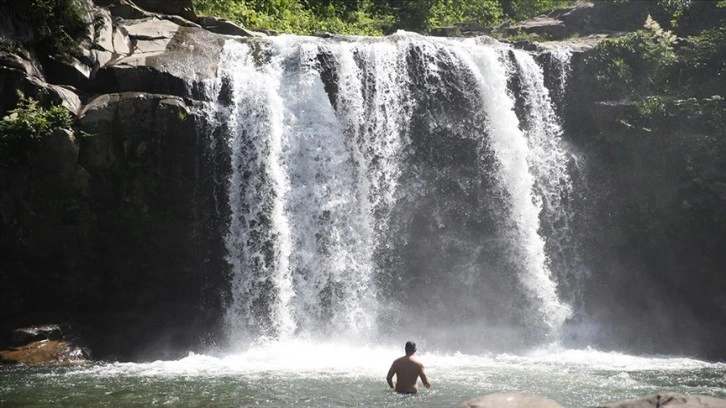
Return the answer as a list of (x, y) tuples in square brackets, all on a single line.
[(318, 374), (314, 358)]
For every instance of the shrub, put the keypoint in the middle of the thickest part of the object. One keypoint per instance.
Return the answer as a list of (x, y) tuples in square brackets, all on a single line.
[(293, 16), (635, 65), (447, 12), (24, 126)]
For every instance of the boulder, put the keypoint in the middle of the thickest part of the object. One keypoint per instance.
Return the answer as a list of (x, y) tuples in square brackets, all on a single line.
[(103, 30), (44, 352), (21, 60), (510, 400), (183, 8), (582, 19), (67, 70), (226, 27), (577, 16), (121, 42), (102, 49), (150, 29), (124, 9), (575, 45), (165, 59), (43, 344), (544, 26), (670, 399), (13, 81), (123, 124), (30, 334)]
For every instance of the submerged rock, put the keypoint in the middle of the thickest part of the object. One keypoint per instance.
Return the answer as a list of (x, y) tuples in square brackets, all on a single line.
[(670, 399), (510, 400)]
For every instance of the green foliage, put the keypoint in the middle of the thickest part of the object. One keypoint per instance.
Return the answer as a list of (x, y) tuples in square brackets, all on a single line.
[(448, 12), (647, 63), (370, 17), (651, 107), (293, 16), (702, 63), (57, 23), (8, 46), (24, 126), (524, 9), (634, 65)]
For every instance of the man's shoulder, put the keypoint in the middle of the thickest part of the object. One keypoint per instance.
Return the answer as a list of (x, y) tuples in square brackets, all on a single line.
[(417, 362), (409, 361)]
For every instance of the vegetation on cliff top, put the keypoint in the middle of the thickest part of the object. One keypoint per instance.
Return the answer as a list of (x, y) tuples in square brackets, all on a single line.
[(376, 17), (370, 17)]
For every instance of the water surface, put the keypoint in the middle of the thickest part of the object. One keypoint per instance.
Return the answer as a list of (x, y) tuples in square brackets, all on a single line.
[(304, 374)]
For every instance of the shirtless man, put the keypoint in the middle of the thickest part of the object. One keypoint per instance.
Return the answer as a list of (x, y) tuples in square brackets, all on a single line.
[(407, 370)]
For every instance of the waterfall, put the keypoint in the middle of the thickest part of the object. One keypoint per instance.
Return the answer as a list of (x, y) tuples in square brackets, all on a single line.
[(376, 179)]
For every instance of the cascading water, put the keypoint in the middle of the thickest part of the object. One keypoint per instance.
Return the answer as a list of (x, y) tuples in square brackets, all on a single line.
[(381, 190), (377, 179), (549, 165)]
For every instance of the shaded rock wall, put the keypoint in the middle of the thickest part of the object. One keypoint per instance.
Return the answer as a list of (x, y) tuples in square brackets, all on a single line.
[(125, 244), (112, 226), (650, 212)]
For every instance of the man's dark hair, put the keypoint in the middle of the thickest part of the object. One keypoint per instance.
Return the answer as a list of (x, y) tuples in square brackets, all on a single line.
[(410, 347)]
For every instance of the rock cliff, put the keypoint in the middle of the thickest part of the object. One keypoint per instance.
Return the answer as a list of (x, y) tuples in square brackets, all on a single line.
[(112, 225)]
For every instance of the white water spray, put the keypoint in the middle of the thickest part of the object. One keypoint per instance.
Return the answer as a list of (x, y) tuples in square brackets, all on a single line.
[(319, 134), (520, 156)]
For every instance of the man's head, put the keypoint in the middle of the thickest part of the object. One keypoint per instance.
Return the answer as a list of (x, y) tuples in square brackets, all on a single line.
[(410, 347)]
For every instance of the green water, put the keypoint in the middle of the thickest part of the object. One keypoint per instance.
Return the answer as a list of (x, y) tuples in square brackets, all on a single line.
[(321, 376)]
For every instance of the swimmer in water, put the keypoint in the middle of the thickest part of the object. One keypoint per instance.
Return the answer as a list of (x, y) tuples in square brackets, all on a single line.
[(407, 370)]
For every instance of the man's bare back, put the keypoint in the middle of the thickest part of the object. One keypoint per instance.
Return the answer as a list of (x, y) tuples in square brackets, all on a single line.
[(407, 370)]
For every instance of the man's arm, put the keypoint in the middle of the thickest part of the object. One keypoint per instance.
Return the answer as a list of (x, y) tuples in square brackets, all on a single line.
[(389, 377), (424, 379)]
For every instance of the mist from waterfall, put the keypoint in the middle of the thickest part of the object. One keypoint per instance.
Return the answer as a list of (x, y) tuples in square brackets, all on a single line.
[(393, 185)]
